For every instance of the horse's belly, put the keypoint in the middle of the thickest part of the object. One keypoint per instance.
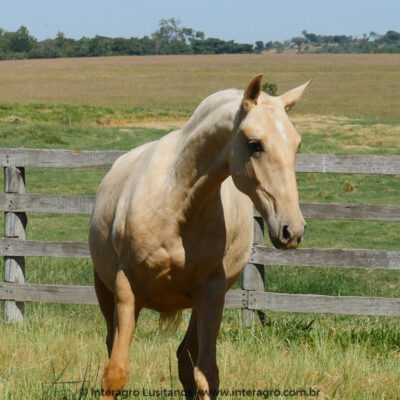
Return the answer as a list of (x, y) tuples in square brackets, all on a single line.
[(164, 289), (170, 302)]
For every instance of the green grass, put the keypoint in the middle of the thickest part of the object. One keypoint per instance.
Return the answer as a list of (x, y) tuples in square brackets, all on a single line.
[(346, 357), (348, 136), (69, 114), (75, 137), (333, 354), (333, 188)]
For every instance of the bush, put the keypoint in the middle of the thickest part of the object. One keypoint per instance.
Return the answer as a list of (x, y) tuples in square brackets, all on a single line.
[(270, 88)]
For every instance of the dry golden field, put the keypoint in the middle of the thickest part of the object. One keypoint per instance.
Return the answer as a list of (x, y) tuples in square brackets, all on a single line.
[(356, 86)]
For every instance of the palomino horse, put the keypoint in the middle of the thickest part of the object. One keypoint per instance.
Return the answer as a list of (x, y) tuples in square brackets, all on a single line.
[(172, 225)]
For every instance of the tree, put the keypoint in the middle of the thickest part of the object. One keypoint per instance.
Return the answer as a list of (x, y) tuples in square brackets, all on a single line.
[(172, 38), (21, 41), (269, 45), (169, 30), (259, 47), (99, 46), (392, 35), (199, 35), (373, 35), (148, 45), (120, 46), (44, 49), (135, 46), (82, 47), (278, 46), (298, 42), (65, 47), (177, 47), (311, 37), (4, 46)]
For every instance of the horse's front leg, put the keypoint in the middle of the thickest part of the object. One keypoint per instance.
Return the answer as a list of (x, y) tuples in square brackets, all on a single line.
[(209, 304), (126, 313)]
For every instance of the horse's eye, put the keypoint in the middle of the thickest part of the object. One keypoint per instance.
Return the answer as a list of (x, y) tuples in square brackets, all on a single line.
[(255, 146)]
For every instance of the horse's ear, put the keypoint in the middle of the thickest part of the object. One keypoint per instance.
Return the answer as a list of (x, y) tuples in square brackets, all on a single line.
[(290, 98), (252, 92)]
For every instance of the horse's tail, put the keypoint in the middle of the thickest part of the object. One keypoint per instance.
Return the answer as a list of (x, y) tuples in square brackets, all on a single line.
[(169, 321)]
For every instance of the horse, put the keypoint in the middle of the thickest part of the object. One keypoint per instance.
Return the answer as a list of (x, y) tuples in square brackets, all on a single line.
[(172, 225)]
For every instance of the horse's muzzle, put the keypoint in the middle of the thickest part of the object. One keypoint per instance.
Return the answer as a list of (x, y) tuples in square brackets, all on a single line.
[(289, 236)]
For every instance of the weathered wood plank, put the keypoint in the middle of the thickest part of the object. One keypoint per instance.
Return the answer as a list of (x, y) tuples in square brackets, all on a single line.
[(311, 303), (253, 274), (49, 293), (14, 227), (21, 157), (352, 258), (236, 299), (14, 247), (382, 165), (265, 301), (91, 159), (353, 211), (83, 294), (349, 211), (46, 203)]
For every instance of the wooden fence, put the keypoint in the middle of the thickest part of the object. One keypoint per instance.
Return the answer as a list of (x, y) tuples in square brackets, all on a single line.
[(252, 297)]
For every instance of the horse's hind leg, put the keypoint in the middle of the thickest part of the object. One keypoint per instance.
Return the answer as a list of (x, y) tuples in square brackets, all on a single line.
[(187, 356), (107, 305), (117, 369)]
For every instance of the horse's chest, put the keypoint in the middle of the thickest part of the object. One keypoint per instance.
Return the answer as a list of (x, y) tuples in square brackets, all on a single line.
[(170, 256), (168, 259)]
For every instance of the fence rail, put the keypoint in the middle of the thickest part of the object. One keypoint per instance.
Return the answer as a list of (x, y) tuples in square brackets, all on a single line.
[(313, 257), (46, 203), (325, 163), (15, 203), (242, 299)]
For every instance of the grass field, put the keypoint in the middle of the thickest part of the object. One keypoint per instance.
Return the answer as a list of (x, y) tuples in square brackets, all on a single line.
[(119, 103)]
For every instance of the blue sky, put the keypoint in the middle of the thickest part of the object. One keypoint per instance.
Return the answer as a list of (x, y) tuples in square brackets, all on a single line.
[(242, 21)]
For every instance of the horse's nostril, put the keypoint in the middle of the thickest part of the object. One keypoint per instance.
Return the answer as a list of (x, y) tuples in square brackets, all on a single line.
[(285, 232)]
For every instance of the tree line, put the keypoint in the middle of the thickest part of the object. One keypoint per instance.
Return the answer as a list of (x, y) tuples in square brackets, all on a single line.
[(172, 38)]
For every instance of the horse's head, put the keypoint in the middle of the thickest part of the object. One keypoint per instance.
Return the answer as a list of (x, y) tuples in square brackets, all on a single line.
[(262, 161)]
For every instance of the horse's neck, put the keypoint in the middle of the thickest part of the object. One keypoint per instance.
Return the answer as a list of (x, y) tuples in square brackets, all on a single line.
[(203, 160)]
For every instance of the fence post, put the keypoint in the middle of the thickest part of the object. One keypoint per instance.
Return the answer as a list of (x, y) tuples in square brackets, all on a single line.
[(253, 274), (14, 227)]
